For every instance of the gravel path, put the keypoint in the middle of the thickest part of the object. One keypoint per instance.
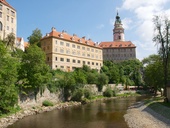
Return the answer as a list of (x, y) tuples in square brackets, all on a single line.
[(141, 116)]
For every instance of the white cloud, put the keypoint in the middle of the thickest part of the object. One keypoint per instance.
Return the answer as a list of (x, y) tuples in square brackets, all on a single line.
[(100, 26), (142, 12), (126, 23)]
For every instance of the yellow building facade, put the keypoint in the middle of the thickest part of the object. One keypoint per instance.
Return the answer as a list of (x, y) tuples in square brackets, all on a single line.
[(8, 19), (67, 52)]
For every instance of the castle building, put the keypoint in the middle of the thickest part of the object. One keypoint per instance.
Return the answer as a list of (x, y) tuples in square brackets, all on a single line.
[(8, 19), (67, 52), (118, 50)]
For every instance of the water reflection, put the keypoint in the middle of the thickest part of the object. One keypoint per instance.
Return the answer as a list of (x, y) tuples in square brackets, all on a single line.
[(101, 114)]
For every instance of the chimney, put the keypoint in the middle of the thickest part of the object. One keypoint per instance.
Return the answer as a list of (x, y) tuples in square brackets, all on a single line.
[(74, 35), (53, 29), (84, 37), (47, 34)]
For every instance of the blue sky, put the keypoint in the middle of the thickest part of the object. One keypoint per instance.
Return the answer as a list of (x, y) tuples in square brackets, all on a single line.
[(92, 18)]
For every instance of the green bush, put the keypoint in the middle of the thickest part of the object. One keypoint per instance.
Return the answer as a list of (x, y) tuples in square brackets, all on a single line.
[(87, 94), (47, 103), (108, 92), (77, 95)]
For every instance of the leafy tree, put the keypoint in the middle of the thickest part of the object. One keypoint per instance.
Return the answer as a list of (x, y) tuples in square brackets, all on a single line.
[(153, 72), (34, 72), (8, 78), (101, 81), (68, 84), (10, 41), (35, 37), (162, 39)]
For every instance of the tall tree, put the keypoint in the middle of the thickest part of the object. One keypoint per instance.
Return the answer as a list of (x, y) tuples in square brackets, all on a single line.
[(35, 37), (8, 78), (162, 39), (34, 73), (10, 41), (153, 72)]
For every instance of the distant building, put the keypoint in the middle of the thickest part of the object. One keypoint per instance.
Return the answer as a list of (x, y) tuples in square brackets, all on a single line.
[(8, 19), (21, 44), (67, 52), (118, 50)]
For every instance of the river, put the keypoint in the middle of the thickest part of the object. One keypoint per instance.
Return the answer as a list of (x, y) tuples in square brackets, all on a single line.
[(100, 114)]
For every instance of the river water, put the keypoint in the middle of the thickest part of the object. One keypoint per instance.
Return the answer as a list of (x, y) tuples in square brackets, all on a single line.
[(100, 114)]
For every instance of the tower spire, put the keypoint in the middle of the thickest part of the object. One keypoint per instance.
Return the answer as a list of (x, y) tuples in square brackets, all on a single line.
[(118, 31)]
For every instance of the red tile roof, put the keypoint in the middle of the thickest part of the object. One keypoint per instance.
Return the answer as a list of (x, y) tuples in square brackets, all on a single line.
[(74, 38), (5, 3), (19, 39), (26, 44), (117, 44)]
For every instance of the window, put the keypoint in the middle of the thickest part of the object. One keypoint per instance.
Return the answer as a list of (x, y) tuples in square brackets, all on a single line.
[(12, 30), (97, 51), (78, 47), (56, 49), (56, 42), (88, 62), (1, 14), (62, 43), (7, 27), (97, 64), (0, 26), (84, 62), (68, 60), (8, 10), (12, 13), (119, 37), (61, 59), (92, 50), (83, 48), (61, 50), (79, 61), (68, 51), (73, 45), (88, 55), (7, 18), (62, 67), (67, 44), (0, 7), (88, 49), (74, 61), (56, 58), (92, 63)]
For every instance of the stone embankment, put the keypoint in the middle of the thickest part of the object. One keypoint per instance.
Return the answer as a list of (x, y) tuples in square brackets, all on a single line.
[(142, 116), (9, 120)]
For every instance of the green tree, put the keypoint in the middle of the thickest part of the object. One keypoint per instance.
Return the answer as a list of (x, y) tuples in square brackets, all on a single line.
[(8, 78), (35, 37), (101, 81), (67, 83), (10, 41), (153, 72), (162, 39), (34, 72)]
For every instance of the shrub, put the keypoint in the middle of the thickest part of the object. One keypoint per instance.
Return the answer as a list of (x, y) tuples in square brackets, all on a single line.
[(77, 95), (47, 103), (87, 94), (108, 92)]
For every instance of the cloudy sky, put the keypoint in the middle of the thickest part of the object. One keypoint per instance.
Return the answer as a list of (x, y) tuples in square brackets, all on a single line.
[(93, 19)]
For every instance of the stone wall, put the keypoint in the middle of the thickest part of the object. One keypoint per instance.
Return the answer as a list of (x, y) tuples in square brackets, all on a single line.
[(30, 101)]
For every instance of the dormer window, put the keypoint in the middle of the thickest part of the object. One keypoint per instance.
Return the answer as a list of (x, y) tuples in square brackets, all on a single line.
[(80, 40), (61, 35), (72, 38)]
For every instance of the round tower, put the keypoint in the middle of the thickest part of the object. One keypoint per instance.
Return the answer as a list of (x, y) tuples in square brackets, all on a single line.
[(118, 31)]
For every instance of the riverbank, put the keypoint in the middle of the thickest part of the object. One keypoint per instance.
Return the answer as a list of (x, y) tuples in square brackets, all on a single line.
[(154, 115), (9, 120)]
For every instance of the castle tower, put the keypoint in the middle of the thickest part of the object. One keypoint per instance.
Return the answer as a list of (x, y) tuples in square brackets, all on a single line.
[(118, 31)]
